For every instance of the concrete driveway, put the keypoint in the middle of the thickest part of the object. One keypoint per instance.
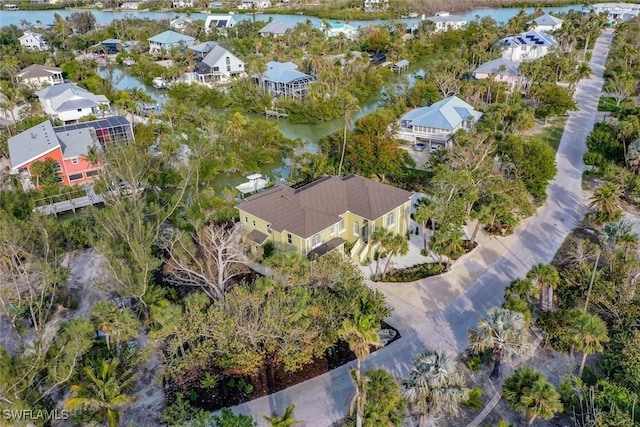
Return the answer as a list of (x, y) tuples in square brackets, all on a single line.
[(480, 278)]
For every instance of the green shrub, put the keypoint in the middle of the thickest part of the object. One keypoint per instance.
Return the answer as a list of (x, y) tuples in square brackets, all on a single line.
[(416, 272), (473, 401)]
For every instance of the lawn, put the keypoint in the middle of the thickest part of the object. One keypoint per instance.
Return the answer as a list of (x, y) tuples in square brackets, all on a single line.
[(551, 133)]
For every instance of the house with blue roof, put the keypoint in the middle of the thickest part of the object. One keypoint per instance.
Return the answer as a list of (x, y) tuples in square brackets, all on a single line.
[(527, 46), (201, 50), (546, 22), (435, 124), (168, 40), (284, 79)]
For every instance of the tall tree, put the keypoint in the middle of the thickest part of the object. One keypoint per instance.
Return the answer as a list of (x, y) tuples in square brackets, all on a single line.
[(605, 201), (528, 391), (547, 278), (435, 385), (349, 105), (588, 333), (502, 332)]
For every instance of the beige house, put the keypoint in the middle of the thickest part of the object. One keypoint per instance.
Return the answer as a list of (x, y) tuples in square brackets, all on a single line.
[(324, 215)]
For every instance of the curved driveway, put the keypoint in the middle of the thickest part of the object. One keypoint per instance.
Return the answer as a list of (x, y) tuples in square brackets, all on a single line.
[(322, 401)]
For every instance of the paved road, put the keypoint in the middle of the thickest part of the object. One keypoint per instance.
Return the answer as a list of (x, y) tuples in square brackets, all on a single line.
[(322, 401)]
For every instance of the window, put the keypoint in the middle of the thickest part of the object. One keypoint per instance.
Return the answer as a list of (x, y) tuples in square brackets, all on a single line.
[(228, 68), (246, 219), (333, 230), (58, 167), (74, 161), (79, 110), (269, 230), (254, 223), (316, 240), (75, 177), (341, 226), (228, 60), (89, 174), (356, 229), (289, 239), (391, 219)]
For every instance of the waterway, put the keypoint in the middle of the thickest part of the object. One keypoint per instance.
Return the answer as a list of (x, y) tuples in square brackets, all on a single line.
[(46, 17)]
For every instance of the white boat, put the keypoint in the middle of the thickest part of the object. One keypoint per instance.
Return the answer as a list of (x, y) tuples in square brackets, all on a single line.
[(160, 83), (128, 61), (256, 183)]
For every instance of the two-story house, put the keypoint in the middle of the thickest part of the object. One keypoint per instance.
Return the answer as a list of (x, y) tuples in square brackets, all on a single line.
[(284, 79), (69, 103), (546, 22), (324, 215), (38, 76), (68, 146), (33, 41), (527, 46), (436, 123), (375, 5), (500, 70), (444, 21), (219, 65), (219, 23)]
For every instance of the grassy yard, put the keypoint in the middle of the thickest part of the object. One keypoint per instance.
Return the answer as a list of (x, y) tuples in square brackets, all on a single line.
[(551, 133)]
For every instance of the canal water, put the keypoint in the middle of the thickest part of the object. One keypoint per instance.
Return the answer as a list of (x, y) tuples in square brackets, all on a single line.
[(46, 17)]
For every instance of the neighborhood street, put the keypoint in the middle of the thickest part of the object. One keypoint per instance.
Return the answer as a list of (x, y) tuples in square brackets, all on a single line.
[(324, 400)]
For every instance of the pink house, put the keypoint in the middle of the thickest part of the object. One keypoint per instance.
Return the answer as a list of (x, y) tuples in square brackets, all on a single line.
[(501, 70)]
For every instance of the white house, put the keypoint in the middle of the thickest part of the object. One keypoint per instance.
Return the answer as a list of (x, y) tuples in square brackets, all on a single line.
[(527, 46), (221, 22), (180, 23), (181, 4), (130, 5), (445, 21), (614, 11), (169, 40), (375, 5), (219, 65), (501, 70), (546, 22), (69, 102), (33, 41), (38, 76), (254, 4), (336, 28), (215, 5), (436, 123)]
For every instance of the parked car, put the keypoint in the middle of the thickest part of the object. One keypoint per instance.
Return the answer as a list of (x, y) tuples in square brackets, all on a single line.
[(434, 148), (419, 146)]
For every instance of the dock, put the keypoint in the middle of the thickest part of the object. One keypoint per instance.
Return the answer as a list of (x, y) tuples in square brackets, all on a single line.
[(275, 112), (54, 208)]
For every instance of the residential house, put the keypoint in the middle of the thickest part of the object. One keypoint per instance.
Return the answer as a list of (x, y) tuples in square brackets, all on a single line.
[(181, 4), (501, 70), (334, 29), (68, 145), (180, 23), (324, 215), (39, 1), (254, 4), (275, 29), (219, 22), (168, 40), (546, 23), (111, 46), (215, 5), (200, 50), (38, 76), (614, 11), (130, 5), (219, 65), (436, 123), (69, 103), (527, 46), (375, 5), (445, 21), (284, 79), (33, 41)]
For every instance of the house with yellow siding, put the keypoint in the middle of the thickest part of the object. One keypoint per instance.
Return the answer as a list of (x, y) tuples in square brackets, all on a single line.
[(324, 215)]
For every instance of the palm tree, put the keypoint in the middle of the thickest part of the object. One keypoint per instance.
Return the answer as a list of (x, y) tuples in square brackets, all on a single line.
[(588, 333), (605, 201), (379, 240), (396, 245), (435, 385), (349, 105), (423, 213), (528, 391), (361, 333), (104, 393), (503, 332), (547, 278), (286, 420)]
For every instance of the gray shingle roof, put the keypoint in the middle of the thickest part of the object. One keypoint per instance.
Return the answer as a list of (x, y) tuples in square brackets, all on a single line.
[(547, 19), (76, 142), (217, 53), (31, 144), (274, 27), (493, 67), (445, 114), (60, 95), (316, 206), (37, 70), (203, 47)]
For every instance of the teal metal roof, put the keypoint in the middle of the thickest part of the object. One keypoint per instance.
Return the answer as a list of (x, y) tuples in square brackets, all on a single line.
[(171, 37)]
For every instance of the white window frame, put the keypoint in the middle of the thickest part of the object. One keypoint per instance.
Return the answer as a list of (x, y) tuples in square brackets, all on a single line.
[(269, 230), (342, 226), (289, 239), (356, 228), (333, 229), (390, 220), (316, 240), (74, 161)]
